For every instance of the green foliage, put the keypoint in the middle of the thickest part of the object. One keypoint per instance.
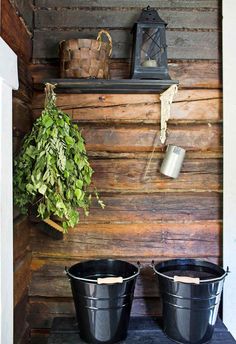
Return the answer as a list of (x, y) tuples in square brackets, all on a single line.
[(52, 170)]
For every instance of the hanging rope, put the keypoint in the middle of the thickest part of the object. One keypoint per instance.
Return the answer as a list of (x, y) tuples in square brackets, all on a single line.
[(166, 100), (50, 95)]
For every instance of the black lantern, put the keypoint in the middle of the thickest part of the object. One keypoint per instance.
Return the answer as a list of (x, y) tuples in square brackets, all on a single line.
[(149, 47)]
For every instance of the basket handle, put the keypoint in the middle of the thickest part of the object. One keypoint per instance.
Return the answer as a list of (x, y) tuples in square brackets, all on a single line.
[(99, 38)]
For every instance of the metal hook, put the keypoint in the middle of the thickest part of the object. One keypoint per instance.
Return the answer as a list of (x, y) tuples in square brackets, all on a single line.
[(66, 273), (152, 264)]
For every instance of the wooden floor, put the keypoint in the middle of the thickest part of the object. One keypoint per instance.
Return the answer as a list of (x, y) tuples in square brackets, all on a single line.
[(145, 330)]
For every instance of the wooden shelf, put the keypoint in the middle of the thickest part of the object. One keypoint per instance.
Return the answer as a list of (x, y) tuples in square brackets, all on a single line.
[(146, 330), (108, 86)]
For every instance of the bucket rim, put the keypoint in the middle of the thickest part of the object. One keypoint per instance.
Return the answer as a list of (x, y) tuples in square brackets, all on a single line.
[(191, 260), (83, 279)]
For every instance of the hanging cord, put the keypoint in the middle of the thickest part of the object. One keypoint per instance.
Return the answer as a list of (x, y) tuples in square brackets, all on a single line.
[(50, 95), (150, 159), (166, 99)]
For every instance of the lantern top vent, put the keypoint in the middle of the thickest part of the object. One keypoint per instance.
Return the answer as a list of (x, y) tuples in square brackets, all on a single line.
[(150, 16)]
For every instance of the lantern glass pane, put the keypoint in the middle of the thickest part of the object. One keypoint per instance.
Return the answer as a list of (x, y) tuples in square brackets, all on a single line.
[(152, 47)]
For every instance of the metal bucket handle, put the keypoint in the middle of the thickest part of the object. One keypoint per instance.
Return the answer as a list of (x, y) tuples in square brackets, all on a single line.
[(185, 279), (105, 280)]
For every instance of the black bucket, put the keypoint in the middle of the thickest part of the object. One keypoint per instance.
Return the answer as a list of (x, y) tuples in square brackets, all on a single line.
[(103, 293), (191, 291)]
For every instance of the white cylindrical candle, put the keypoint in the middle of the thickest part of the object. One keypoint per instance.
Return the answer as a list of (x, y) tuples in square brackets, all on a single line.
[(149, 63)]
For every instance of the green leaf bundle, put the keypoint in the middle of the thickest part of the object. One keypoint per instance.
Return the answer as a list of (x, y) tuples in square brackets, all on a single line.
[(52, 171)]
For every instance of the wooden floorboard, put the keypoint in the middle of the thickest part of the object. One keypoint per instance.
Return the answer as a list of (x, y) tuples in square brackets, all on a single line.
[(145, 330)]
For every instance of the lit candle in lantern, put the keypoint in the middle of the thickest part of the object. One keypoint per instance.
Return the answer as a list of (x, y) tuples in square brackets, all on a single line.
[(149, 63)]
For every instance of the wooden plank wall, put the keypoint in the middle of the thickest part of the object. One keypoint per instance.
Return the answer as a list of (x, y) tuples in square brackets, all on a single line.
[(156, 217), (16, 32)]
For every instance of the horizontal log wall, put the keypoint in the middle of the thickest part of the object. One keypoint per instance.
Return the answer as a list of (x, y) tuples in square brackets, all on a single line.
[(16, 23), (190, 25), (145, 218)]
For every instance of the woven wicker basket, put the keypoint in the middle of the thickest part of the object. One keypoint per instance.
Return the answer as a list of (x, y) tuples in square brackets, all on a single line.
[(85, 58)]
